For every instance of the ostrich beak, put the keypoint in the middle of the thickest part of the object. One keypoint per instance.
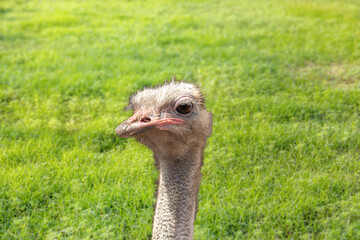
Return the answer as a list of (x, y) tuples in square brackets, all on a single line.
[(141, 122)]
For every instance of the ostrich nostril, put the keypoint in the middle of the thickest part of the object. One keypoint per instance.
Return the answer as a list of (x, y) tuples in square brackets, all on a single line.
[(145, 120)]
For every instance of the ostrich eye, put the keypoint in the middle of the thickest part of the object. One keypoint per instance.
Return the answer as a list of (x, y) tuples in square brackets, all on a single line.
[(184, 107)]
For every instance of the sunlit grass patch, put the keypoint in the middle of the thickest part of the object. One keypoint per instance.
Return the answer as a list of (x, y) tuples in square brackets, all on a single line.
[(340, 75)]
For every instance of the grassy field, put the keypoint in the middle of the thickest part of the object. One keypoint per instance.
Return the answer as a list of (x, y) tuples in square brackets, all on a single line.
[(281, 78)]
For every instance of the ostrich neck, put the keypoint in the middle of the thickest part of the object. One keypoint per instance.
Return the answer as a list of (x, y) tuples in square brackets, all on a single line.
[(177, 195)]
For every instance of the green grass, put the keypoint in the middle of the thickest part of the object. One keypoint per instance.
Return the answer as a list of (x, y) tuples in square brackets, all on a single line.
[(281, 78)]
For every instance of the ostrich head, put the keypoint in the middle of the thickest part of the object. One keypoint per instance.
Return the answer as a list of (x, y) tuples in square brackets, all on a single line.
[(169, 119)]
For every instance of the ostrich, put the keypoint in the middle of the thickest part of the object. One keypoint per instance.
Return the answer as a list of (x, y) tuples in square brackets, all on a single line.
[(173, 122)]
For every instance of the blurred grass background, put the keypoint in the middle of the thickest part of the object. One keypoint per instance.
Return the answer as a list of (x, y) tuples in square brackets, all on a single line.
[(281, 78)]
